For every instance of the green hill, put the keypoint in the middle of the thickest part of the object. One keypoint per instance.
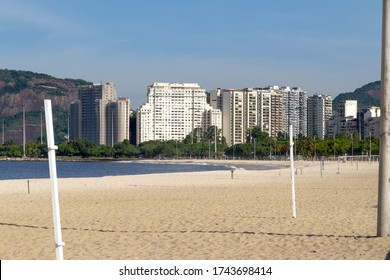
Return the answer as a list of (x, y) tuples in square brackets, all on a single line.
[(367, 96), (27, 89)]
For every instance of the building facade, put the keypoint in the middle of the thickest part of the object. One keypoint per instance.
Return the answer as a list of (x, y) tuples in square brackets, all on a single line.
[(345, 119), (277, 114), (348, 109), (94, 116), (244, 109), (372, 122), (295, 110), (173, 111), (118, 121), (319, 112), (75, 120)]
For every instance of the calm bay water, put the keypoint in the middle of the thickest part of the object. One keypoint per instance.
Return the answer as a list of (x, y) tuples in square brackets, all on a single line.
[(40, 169)]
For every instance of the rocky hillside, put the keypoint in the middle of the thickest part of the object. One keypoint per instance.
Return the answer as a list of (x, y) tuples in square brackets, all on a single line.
[(18, 88), (28, 89)]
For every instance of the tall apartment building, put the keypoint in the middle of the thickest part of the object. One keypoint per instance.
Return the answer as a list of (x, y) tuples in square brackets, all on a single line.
[(319, 112), (234, 126), (264, 110), (173, 111), (345, 119), (295, 110), (246, 108), (93, 115), (212, 117), (277, 114), (117, 121)]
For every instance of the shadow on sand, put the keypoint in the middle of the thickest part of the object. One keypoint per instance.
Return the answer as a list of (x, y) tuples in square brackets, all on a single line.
[(201, 231)]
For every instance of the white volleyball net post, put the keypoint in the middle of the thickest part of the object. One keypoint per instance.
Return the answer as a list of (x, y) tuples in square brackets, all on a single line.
[(294, 211), (53, 180)]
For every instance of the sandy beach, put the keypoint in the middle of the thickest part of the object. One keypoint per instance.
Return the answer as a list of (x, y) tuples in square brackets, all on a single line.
[(203, 215)]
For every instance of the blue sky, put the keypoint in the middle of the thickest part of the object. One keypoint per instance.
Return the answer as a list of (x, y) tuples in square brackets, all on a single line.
[(328, 47)]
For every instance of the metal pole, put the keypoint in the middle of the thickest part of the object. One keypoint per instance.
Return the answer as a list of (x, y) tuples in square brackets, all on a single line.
[(24, 132), (334, 147), (383, 226), (193, 117), (41, 141), (352, 149), (215, 142), (67, 140), (294, 213), (370, 149), (275, 148), (3, 133), (112, 128), (209, 148), (53, 180), (254, 148), (177, 153)]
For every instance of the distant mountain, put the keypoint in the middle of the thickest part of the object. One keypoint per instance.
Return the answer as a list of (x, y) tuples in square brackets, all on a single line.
[(367, 96), (18, 88), (29, 89)]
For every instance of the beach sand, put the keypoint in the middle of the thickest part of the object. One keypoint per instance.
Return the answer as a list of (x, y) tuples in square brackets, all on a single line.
[(203, 215)]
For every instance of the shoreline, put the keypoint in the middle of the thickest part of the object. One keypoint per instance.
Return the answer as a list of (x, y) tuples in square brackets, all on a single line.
[(97, 169), (271, 163)]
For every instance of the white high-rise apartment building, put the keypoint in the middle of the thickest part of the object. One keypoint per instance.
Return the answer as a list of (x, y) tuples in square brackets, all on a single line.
[(348, 109), (277, 114), (212, 117), (172, 111), (319, 112), (233, 126), (295, 110), (242, 110)]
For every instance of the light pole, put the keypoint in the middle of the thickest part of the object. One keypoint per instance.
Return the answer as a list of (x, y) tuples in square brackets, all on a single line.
[(334, 147), (177, 153), (215, 141), (24, 132), (275, 147), (383, 225), (351, 149), (370, 148), (41, 140), (3, 132), (254, 148), (209, 148)]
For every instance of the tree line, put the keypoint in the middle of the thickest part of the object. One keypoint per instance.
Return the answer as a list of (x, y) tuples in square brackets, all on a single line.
[(206, 144)]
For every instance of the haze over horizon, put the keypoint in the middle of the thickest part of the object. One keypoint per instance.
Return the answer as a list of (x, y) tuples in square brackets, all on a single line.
[(325, 47)]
